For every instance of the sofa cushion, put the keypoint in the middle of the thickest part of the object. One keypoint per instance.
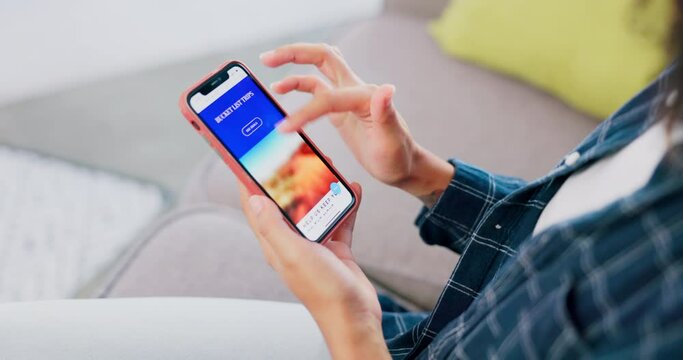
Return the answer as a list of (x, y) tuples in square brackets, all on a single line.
[(593, 55), (454, 109), (206, 251)]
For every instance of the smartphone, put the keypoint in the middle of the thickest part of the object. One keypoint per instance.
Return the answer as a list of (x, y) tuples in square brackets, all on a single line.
[(238, 117)]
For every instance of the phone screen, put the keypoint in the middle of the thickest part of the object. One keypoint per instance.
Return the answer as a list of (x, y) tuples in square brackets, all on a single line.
[(287, 168)]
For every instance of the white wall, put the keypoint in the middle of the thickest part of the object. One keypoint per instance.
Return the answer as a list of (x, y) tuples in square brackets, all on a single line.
[(48, 45)]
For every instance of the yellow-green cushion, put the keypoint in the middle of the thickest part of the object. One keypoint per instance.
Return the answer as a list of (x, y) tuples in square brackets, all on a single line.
[(594, 54)]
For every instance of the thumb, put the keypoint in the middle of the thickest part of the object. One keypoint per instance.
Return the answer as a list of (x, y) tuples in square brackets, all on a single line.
[(381, 104), (270, 225), (345, 232)]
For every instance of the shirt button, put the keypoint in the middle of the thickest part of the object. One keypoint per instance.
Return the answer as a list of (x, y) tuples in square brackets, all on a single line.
[(572, 158), (671, 99)]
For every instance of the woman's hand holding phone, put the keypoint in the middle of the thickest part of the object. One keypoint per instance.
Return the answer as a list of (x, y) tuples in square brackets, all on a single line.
[(325, 278), (365, 117)]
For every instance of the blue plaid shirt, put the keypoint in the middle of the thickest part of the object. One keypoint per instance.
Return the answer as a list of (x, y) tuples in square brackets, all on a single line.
[(609, 283)]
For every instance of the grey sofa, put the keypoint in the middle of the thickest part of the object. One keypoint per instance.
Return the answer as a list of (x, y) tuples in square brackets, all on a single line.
[(453, 108)]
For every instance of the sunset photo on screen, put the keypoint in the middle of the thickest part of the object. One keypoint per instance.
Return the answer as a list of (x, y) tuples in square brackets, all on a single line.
[(290, 172)]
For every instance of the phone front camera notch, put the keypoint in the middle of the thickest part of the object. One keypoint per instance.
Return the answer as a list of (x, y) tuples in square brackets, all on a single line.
[(214, 83)]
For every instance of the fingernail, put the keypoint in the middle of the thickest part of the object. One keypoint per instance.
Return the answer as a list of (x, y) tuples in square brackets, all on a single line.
[(265, 54), (256, 204), (391, 88), (273, 85)]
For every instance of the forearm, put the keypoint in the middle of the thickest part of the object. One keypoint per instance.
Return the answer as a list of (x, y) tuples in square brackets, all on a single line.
[(430, 176), (353, 338)]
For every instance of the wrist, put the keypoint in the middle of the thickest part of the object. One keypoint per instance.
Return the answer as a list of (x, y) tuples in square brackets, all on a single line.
[(429, 176)]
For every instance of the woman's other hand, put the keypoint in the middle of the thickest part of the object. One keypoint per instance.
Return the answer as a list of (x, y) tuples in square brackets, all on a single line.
[(363, 114)]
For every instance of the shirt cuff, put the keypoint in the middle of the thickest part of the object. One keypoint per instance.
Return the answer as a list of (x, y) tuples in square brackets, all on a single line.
[(450, 222)]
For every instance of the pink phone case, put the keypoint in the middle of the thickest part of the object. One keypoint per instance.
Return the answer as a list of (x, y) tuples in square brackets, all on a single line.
[(232, 163)]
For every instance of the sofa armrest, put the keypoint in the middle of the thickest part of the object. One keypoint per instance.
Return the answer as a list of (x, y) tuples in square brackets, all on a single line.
[(203, 250), (422, 9)]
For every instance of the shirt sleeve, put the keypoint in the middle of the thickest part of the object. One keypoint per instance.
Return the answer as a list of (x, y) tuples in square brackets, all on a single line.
[(471, 192)]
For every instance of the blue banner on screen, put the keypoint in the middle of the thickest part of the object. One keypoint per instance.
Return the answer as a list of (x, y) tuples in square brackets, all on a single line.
[(245, 121)]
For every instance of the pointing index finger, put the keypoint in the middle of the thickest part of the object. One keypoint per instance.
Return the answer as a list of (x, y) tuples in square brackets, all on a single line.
[(354, 99)]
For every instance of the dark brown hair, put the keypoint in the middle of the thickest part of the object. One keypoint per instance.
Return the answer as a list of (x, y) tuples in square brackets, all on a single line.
[(672, 111)]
